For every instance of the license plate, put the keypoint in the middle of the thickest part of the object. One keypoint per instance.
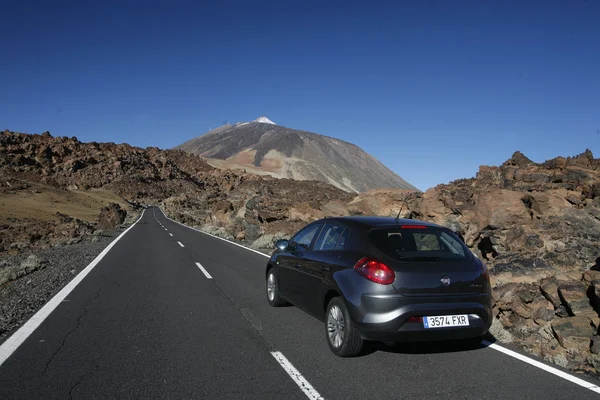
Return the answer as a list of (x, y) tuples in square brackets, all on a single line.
[(443, 321)]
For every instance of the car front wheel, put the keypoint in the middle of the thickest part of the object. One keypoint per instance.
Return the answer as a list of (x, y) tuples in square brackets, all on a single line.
[(273, 290), (342, 337)]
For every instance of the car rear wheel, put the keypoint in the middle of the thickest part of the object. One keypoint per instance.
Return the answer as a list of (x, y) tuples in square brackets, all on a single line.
[(342, 337), (273, 290)]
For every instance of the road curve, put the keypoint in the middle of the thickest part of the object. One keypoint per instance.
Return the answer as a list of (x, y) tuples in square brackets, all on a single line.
[(170, 312)]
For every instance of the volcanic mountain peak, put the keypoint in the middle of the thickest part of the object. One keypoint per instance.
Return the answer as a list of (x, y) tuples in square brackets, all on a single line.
[(264, 120), (265, 148)]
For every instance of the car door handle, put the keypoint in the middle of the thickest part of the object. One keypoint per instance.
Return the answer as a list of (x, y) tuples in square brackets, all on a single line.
[(324, 268)]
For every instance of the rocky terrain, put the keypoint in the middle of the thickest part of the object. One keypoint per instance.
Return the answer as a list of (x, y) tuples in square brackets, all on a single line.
[(536, 225), (29, 279), (64, 170), (265, 148)]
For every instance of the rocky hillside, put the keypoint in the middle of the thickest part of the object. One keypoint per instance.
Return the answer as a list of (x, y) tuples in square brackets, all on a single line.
[(202, 194), (537, 226), (265, 148)]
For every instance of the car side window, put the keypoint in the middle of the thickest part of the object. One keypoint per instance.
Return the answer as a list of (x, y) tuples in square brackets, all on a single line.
[(329, 237), (343, 240), (304, 238)]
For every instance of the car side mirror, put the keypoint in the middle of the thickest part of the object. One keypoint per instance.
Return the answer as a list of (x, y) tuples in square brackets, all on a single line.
[(282, 244)]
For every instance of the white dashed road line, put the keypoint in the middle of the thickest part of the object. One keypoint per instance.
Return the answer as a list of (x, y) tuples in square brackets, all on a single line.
[(170, 234), (288, 367), (205, 272), (302, 383), (181, 244)]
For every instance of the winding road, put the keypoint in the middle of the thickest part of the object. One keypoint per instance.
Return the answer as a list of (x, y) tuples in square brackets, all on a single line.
[(170, 312)]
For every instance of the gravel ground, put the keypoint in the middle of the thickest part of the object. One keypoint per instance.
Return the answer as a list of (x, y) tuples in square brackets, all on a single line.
[(22, 298)]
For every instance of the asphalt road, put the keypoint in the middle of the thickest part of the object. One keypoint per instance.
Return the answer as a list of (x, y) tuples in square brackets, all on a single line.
[(147, 322)]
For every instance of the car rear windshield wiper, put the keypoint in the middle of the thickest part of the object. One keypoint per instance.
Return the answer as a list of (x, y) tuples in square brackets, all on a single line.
[(418, 258)]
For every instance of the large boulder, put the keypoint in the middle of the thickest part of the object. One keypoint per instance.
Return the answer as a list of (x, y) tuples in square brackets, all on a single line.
[(573, 296), (574, 334), (111, 216)]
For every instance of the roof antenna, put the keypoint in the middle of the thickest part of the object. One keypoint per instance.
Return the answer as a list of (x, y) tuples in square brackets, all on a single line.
[(405, 199), (398, 216)]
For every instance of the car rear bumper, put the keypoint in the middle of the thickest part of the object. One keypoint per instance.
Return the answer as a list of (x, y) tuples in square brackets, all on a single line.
[(389, 319), (416, 332)]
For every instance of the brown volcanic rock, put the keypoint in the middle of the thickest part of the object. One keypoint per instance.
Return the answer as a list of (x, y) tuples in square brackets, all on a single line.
[(254, 206), (111, 216), (132, 172), (232, 203), (537, 227)]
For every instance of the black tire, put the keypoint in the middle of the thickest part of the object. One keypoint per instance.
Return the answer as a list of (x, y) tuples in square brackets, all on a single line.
[(349, 344), (273, 297)]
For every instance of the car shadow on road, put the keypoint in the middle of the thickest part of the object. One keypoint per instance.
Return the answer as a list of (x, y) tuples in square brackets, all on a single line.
[(449, 346)]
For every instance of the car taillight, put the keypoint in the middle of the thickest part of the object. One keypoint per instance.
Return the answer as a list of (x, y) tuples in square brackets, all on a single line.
[(375, 271)]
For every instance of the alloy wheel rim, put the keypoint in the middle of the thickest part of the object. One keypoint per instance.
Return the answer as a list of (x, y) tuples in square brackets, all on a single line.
[(271, 286), (335, 326)]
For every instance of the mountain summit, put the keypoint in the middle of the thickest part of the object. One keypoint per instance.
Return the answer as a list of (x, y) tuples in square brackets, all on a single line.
[(264, 148), (264, 120)]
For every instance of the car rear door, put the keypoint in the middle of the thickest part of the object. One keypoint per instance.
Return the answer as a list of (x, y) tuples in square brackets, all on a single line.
[(321, 262)]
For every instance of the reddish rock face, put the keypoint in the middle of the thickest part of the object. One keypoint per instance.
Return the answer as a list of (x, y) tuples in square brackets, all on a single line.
[(537, 227)]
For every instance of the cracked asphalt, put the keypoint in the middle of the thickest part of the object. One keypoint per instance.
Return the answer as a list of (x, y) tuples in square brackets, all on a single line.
[(147, 323)]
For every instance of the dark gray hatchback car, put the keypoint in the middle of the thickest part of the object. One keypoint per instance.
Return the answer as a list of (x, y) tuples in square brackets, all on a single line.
[(383, 279)]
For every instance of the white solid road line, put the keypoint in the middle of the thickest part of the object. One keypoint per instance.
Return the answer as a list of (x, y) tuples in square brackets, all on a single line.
[(12, 343), (170, 234), (205, 272), (543, 366), (228, 241), (181, 244), (302, 383), (493, 346)]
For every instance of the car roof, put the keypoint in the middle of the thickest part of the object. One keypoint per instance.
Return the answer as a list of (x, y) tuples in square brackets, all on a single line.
[(374, 221)]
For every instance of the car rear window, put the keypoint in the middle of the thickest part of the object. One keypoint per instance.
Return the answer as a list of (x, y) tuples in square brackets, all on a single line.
[(416, 244)]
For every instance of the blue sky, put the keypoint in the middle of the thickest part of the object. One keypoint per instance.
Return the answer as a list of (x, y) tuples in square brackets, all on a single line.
[(433, 89)]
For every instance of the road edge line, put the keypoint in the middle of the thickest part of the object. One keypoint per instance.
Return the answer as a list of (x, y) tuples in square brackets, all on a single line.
[(16, 339), (209, 234), (302, 383), (540, 365)]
